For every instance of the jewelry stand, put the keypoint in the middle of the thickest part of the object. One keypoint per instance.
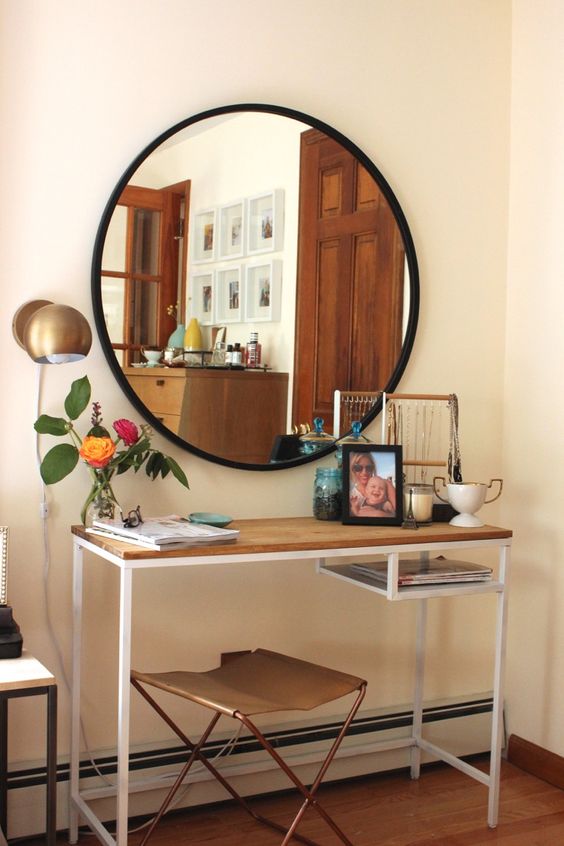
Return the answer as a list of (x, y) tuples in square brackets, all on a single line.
[(11, 640), (414, 421)]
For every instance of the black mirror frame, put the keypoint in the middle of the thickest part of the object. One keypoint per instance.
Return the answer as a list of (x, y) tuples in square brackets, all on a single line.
[(96, 276)]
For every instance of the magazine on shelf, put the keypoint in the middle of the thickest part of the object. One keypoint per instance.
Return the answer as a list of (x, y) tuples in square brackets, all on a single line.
[(167, 532), (415, 571)]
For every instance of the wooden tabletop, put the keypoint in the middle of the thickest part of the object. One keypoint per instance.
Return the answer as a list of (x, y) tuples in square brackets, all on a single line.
[(295, 534)]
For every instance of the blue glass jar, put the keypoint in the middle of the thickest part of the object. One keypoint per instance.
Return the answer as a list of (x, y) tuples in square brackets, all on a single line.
[(313, 441), (327, 494), (354, 438)]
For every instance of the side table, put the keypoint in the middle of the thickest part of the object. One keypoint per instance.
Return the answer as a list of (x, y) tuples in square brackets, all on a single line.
[(25, 676)]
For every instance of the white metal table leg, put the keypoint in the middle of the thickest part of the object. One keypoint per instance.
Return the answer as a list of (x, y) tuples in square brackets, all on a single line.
[(418, 692), (123, 706), (75, 694), (498, 683)]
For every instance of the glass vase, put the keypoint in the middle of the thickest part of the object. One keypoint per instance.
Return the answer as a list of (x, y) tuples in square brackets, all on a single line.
[(100, 503)]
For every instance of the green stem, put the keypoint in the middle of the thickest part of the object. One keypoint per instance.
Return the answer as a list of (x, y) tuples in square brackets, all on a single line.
[(101, 483)]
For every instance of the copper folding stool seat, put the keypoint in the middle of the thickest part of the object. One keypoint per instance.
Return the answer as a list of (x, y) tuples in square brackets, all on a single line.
[(260, 682)]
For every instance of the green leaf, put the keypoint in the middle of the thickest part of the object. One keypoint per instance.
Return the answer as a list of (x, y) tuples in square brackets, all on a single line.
[(78, 398), (150, 464), (47, 425), (128, 459), (154, 464), (58, 463), (142, 445), (99, 432), (177, 471)]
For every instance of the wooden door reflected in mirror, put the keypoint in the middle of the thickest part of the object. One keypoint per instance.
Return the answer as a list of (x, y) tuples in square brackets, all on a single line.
[(351, 267)]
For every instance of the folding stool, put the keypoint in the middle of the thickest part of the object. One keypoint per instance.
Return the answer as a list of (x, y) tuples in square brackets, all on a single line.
[(259, 682)]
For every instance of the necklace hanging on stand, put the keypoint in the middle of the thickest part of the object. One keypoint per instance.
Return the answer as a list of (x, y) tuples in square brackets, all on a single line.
[(454, 461)]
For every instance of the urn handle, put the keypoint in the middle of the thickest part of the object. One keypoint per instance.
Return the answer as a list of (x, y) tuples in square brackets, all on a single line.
[(439, 479), (500, 481)]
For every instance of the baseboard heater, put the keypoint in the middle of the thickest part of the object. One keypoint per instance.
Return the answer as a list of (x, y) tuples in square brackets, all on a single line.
[(294, 739)]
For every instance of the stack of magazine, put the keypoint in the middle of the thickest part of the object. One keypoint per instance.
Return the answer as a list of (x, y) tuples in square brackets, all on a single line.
[(168, 532), (415, 571)]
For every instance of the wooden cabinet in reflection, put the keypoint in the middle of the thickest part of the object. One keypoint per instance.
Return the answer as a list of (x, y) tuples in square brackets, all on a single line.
[(234, 414)]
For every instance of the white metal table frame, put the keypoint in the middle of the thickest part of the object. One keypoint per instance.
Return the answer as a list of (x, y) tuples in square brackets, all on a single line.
[(499, 586)]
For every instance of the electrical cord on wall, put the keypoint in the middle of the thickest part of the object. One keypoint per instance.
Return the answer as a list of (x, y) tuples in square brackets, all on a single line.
[(229, 745)]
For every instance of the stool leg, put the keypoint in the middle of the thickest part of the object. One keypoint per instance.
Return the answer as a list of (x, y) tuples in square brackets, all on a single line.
[(51, 765), (197, 754), (310, 799), (309, 795), (4, 765), (180, 778)]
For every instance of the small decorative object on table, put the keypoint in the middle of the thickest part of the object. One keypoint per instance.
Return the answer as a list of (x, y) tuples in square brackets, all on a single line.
[(420, 498), (467, 498), (105, 457), (327, 494), (210, 519)]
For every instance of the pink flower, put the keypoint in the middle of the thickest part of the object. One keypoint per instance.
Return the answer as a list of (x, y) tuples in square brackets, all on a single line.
[(127, 431)]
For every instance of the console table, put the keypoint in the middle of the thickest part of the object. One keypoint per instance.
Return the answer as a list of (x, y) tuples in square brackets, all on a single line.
[(280, 539)]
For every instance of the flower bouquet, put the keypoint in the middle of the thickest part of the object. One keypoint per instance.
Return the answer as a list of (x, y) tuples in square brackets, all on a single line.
[(104, 456)]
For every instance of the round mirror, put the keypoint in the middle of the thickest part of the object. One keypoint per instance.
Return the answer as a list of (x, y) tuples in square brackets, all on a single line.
[(251, 262)]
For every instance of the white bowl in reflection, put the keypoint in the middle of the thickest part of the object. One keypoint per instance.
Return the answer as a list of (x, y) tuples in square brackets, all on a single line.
[(153, 357)]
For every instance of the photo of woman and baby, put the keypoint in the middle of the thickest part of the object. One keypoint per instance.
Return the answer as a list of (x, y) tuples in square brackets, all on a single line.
[(372, 476)]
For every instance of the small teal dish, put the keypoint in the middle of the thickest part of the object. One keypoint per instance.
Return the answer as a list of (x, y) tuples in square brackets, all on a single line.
[(210, 519)]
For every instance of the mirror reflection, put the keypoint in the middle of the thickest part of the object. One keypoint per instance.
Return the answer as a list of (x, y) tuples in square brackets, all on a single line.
[(248, 266)]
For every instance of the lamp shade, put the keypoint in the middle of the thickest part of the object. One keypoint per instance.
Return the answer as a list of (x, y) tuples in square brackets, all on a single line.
[(51, 333)]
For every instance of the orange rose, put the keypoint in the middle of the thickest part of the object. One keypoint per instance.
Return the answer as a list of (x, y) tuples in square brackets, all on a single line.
[(97, 452)]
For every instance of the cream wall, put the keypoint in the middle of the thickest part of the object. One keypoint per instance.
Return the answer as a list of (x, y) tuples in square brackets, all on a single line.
[(533, 442), (425, 89)]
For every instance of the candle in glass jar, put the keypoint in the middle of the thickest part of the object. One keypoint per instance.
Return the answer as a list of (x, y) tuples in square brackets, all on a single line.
[(421, 502)]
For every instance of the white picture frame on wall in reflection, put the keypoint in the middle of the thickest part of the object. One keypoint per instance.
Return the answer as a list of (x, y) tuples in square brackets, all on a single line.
[(263, 286), (265, 222), (204, 236), (232, 226), (202, 297), (229, 294)]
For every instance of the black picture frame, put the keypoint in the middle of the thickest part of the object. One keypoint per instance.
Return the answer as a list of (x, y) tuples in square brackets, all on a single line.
[(379, 508)]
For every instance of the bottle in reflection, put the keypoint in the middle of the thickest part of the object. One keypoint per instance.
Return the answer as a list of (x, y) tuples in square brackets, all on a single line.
[(253, 351)]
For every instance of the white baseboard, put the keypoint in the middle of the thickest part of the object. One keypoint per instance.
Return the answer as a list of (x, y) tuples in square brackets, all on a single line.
[(460, 725)]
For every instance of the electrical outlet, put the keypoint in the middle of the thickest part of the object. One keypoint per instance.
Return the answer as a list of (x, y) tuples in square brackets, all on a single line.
[(226, 657)]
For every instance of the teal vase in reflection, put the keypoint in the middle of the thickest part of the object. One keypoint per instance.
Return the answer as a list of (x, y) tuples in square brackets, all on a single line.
[(176, 340)]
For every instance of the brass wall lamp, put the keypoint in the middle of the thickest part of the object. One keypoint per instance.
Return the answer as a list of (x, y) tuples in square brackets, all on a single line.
[(50, 333)]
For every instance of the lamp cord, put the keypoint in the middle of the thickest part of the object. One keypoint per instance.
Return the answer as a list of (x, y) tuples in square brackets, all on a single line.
[(230, 743)]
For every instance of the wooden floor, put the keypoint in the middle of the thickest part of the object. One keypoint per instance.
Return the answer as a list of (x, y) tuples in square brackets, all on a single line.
[(443, 808)]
